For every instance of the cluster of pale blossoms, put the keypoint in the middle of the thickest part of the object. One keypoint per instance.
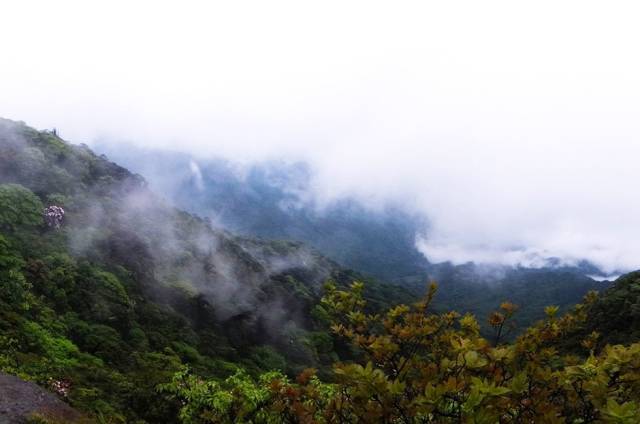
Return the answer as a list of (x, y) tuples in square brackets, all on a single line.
[(53, 216), (61, 387)]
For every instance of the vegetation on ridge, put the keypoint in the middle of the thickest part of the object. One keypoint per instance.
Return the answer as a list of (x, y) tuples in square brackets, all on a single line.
[(275, 200), (129, 289), (417, 367), (134, 311)]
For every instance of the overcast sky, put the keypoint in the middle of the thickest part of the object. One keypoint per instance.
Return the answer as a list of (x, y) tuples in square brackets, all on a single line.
[(513, 126)]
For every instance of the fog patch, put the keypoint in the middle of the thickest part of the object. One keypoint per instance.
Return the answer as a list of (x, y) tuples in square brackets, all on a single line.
[(196, 175), (604, 277), (498, 133)]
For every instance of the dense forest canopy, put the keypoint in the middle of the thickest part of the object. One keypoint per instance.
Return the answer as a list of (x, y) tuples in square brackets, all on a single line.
[(132, 310)]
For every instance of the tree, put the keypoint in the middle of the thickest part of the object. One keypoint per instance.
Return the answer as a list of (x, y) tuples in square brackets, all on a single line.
[(19, 207), (414, 366), (14, 288)]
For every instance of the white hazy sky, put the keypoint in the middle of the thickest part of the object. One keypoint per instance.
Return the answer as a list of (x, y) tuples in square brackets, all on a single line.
[(514, 126)]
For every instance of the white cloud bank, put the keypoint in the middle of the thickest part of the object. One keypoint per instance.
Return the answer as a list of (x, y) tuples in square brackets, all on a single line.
[(513, 126)]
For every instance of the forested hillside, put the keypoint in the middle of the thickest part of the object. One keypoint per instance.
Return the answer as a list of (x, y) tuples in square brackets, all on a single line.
[(414, 366), (128, 289), (131, 310), (615, 315), (275, 200)]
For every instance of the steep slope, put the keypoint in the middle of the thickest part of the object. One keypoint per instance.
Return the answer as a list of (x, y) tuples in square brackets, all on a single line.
[(129, 289), (615, 315), (271, 200)]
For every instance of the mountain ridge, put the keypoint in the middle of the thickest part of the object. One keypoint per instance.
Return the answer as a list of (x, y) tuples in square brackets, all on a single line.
[(130, 289), (275, 200)]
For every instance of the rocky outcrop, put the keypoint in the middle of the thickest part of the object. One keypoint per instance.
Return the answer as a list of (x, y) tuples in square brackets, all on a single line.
[(22, 400)]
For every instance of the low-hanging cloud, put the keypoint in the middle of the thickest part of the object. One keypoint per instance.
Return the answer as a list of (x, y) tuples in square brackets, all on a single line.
[(513, 128)]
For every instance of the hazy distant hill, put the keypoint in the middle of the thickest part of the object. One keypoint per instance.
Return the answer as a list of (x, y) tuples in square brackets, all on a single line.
[(271, 200)]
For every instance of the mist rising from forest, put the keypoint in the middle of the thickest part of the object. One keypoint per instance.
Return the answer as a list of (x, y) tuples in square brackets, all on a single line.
[(515, 137)]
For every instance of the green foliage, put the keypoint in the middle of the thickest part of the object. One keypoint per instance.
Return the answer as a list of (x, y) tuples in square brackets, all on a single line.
[(130, 290), (59, 200), (236, 399), (615, 315), (417, 366), (104, 298), (14, 288), (19, 207), (267, 358), (55, 355)]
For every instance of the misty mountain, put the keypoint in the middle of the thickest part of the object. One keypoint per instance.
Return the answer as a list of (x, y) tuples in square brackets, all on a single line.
[(123, 291), (274, 200), (128, 289)]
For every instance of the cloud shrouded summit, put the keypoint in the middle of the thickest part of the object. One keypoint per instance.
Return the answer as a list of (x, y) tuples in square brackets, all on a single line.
[(512, 127)]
